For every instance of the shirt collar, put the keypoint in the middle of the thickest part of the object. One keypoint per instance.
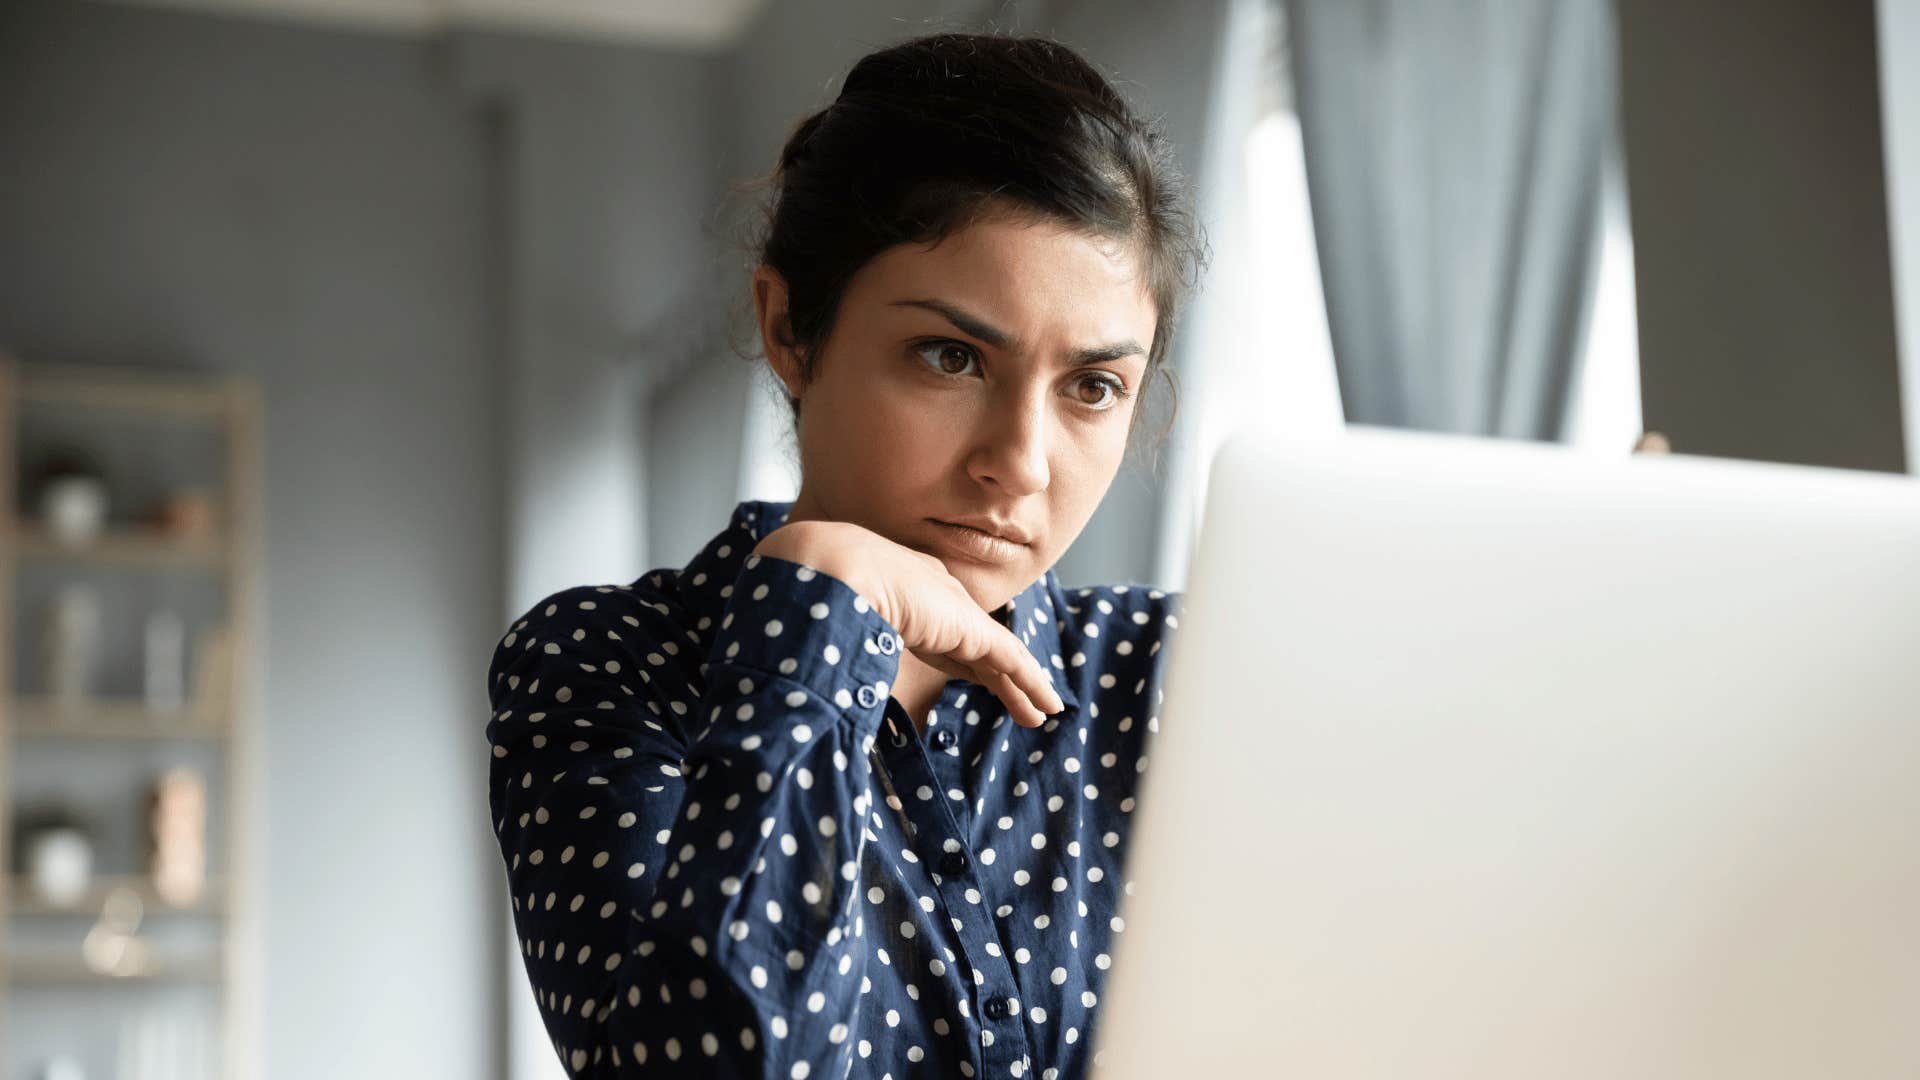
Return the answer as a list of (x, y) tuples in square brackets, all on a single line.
[(1033, 614)]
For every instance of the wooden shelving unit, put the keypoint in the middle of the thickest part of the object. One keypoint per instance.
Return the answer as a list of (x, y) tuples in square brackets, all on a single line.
[(42, 718), (24, 902), (71, 971), (123, 547), (31, 724)]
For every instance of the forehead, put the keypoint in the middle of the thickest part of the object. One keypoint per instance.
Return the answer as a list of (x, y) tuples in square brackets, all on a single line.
[(1041, 282)]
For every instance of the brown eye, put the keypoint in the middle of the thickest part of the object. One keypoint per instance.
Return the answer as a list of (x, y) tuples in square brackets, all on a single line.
[(949, 357), (1105, 393)]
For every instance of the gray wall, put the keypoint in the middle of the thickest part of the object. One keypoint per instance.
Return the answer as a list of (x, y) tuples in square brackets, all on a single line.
[(430, 253), (1753, 148), (608, 159)]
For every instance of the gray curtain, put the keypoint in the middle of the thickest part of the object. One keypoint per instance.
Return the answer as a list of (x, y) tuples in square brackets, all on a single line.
[(1453, 153)]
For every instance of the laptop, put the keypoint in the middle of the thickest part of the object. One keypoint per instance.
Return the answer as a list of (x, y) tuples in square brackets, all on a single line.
[(1494, 759)]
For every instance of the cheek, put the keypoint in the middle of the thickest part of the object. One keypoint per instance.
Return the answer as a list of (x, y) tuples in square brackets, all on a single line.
[(1097, 451), (1084, 469), (875, 437)]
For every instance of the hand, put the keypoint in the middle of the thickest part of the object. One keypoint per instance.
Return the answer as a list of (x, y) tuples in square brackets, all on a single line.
[(937, 618)]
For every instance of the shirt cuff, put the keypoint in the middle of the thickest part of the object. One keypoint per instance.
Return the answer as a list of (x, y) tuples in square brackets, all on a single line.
[(798, 622)]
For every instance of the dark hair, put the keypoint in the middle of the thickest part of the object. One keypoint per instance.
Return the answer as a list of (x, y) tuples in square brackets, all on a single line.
[(933, 134)]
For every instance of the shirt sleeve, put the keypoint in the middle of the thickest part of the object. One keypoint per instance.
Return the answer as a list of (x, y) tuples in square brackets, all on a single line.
[(682, 823)]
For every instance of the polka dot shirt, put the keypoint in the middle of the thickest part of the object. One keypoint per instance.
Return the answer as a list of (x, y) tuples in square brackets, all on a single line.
[(731, 852)]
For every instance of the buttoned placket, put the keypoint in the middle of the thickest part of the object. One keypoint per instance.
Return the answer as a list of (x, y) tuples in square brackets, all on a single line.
[(940, 842)]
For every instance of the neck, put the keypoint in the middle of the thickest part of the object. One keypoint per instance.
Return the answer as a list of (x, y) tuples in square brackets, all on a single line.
[(917, 687), (803, 508)]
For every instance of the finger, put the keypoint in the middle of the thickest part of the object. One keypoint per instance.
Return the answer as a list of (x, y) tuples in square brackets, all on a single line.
[(1019, 705), (993, 650), (949, 667), (1011, 656)]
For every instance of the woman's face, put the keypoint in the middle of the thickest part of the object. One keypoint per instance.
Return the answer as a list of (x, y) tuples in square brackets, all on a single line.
[(988, 378)]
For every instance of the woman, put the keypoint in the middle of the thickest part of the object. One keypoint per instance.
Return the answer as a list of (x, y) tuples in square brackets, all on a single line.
[(849, 792)]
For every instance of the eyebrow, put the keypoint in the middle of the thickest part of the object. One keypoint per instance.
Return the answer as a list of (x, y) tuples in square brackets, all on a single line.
[(972, 324)]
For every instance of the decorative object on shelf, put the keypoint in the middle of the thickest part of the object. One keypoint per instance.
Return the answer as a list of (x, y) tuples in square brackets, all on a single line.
[(213, 673), (165, 668), (186, 513), (58, 847), (111, 946), (177, 822), (70, 491), (73, 645)]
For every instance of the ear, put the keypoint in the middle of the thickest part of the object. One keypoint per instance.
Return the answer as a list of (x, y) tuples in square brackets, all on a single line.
[(776, 330)]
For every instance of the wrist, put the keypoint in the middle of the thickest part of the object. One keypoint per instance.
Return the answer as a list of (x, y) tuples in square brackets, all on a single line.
[(825, 546)]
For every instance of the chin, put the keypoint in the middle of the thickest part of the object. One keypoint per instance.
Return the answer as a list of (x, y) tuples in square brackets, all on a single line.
[(989, 588)]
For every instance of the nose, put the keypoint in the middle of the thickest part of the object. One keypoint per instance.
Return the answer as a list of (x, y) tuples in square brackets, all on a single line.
[(1012, 449)]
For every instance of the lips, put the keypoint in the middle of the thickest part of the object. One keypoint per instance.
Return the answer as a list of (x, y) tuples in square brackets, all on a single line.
[(975, 544), (1010, 534)]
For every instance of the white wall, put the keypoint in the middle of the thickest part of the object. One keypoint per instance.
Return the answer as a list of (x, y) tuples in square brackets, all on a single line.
[(1899, 26)]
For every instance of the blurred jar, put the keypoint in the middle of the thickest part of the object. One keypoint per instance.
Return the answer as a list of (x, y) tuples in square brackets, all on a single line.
[(71, 497), (60, 864), (73, 645)]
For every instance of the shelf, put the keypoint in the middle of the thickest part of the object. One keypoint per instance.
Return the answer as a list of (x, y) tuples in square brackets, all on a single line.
[(108, 718), (212, 944), (22, 900), (150, 394), (122, 545), (62, 969)]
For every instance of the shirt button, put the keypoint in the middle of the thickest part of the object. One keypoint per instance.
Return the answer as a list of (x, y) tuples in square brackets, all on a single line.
[(887, 643), (866, 697), (995, 1008), (942, 738), (953, 863)]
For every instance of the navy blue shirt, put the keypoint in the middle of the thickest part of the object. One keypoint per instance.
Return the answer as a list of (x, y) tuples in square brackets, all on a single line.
[(732, 853)]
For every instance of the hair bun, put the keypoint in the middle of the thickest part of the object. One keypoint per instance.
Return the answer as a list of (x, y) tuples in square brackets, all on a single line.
[(802, 139)]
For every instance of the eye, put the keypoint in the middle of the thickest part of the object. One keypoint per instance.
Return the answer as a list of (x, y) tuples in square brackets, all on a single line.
[(1114, 390), (946, 355)]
